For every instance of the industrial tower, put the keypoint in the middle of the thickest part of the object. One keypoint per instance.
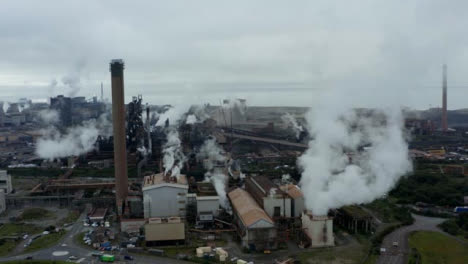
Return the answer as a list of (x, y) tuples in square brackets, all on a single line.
[(120, 149), (444, 99)]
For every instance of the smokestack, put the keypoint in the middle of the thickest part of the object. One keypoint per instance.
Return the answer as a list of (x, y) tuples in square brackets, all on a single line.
[(118, 117), (444, 99), (102, 93)]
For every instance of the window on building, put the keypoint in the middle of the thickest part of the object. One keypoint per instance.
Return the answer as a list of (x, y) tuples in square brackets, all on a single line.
[(277, 211)]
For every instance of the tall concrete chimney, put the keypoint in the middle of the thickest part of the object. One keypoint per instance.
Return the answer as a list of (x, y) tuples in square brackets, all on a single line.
[(118, 119), (444, 99)]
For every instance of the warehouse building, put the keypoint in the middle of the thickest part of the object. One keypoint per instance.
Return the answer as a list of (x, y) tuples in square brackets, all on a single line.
[(269, 196), (255, 228), (164, 196)]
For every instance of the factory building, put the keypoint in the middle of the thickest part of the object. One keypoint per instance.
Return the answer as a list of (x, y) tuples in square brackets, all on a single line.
[(207, 208), (297, 199), (164, 196), (318, 230), (164, 231), (269, 196), (5, 182), (63, 105), (255, 228)]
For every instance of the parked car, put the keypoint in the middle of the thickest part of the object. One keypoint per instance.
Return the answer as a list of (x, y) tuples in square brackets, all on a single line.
[(72, 258), (127, 257)]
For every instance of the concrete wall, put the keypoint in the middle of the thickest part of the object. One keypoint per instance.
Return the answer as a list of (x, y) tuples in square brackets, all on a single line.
[(165, 231), (5, 181), (298, 206), (319, 230), (131, 226), (208, 204), (260, 238), (2, 201), (270, 202), (165, 201)]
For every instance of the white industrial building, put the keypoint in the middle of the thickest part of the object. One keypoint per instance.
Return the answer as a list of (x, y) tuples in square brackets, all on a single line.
[(5, 182), (255, 228), (269, 196), (297, 199), (207, 207), (164, 196), (318, 229)]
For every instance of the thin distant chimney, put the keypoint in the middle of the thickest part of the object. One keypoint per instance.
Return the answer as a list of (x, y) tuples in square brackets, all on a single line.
[(118, 119), (444, 99), (102, 93)]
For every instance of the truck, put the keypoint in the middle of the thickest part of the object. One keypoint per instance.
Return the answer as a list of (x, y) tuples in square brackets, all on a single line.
[(107, 258), (461, 209)]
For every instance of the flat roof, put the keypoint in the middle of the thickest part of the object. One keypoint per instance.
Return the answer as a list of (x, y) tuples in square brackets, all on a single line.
[(160, 178)]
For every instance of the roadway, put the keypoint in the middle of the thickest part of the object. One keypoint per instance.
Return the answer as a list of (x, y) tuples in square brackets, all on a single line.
[(66, 247), (399, 254)]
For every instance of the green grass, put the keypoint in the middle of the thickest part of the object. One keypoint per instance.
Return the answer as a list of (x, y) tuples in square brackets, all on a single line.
[(354, 253), (437, 248), (36, 262), (18, 229), (45, 241), (15, 230), (36, 214), (71, 218), (7, 247)]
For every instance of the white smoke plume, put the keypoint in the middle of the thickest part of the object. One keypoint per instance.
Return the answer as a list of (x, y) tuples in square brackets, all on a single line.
[(174, 114), (73, 78), (49, 116), (330, 179), (290, 121), (76, 141), (214, 161), (174, 158), (191, 119)]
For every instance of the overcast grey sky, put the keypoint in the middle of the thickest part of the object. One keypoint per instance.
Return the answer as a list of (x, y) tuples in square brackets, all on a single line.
[(270, 52)]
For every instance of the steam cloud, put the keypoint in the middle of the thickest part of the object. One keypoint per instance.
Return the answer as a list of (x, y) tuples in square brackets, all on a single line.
[(49, 116), (174, 158), (191, 119), (212, 155), (76, 141), (330, 179), (291, 121)]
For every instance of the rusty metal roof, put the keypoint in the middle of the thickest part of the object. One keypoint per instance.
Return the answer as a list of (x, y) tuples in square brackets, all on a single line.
[(292, 190), (246, 207)]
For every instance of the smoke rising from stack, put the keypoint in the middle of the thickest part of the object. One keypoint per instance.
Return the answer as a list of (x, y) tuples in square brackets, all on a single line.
[(291, 121), (330, 178), (214, 161), (174, 158)]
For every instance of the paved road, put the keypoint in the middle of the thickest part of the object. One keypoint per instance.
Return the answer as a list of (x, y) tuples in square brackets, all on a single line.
[(66, 247), (399, 254)]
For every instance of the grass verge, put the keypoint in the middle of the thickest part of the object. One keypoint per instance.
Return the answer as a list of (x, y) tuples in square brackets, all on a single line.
[(45, 241), (436, 248)]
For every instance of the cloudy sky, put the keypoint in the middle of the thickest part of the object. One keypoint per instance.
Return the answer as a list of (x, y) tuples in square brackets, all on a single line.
[(270, 52)]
